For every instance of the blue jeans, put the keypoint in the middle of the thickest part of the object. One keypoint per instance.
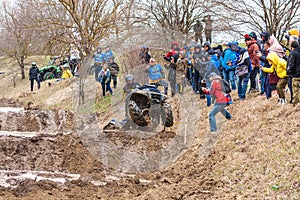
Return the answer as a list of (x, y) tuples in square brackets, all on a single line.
[(262, 78), (229, 76), (212, 115), (192, 78), (106, 87), (208, 97), (242, 86)]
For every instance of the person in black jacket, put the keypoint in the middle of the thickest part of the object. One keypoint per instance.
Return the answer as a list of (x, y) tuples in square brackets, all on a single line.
[(172, 69), (114, 70), (293, 70), (34, 74)]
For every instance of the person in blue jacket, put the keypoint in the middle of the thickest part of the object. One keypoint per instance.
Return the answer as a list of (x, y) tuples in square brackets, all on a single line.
[(228, 69), (156, 75), (99, 59)]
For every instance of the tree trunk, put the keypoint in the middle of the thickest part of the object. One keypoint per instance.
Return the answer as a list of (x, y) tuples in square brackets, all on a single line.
[(22, 66)]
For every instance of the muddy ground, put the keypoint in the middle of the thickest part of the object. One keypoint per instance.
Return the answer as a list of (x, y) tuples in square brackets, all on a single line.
[(253, 156)]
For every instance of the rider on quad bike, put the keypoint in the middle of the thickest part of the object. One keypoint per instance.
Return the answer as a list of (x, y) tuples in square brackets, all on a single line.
[(146, 107)]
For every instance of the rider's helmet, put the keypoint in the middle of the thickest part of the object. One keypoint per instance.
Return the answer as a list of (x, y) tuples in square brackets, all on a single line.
[(33, 63), (129, 78)]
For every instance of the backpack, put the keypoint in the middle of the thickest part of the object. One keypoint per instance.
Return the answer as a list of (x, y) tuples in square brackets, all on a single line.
[(226, 87)]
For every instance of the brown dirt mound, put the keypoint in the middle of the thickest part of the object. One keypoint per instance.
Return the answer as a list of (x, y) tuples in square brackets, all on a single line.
[(6, 102)]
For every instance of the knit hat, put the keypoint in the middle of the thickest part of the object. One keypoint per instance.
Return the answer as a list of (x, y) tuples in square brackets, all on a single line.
[(295, 44), (247, 37), (253, 35)]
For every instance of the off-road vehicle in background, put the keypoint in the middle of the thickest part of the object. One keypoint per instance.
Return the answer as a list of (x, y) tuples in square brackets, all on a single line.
[(53, 69)]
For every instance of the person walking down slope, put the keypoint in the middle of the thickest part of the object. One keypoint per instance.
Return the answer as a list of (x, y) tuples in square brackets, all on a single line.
[(34, 74), (105, 78), (221, 100)]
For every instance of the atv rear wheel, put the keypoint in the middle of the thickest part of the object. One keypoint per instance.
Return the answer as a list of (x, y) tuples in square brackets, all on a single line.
[(167, 115)]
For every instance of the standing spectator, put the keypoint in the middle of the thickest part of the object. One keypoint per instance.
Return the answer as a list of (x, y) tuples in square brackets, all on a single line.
[(74, 61), (279, 65), (208, 28), (271, 79), (221, 100), (263, 76), (200, 59), (198, 29), (99, 59), (34, 74), (293, 35), (181, 69), (114, 70), (210, 68), (172, 70), (156, 75), (276, 47), (108, 54), (207, 48), (293, 71), (228, 66), (144, 56), (243, 70), (105, 78), (253, 50), (259, 42)]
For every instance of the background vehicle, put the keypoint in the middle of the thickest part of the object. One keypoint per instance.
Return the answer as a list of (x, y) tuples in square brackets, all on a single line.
[(52, 70)]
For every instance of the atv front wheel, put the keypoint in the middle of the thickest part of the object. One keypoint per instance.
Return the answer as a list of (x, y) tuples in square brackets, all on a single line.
[(48, 76), (136, 114)]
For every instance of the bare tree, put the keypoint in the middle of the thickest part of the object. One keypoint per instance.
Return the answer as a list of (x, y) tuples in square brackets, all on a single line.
[(174, 15), (258, 15), (17, 39)]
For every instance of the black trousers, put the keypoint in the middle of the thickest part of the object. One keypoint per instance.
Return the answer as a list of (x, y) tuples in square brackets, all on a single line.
[(253, 75), (32, 83)]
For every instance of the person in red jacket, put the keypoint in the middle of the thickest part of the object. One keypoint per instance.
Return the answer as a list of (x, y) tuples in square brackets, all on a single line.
[(253, 50), (220, 98)]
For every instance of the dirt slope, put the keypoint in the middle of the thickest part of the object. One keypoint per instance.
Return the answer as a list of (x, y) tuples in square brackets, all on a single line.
[(253, 156)]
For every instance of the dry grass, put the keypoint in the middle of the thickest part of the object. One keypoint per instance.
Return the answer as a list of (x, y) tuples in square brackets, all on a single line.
[(256, 150)]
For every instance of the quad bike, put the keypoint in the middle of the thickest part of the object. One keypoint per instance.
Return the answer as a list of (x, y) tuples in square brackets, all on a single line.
[(146, 108), (51, 70)]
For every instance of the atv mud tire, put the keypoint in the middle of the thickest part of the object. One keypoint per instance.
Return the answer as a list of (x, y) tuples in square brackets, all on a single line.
[(136, 114), (48, 76), (167, 115)]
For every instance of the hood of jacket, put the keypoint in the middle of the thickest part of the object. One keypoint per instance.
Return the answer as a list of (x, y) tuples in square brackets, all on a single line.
[(294, 32), (273, 57)]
